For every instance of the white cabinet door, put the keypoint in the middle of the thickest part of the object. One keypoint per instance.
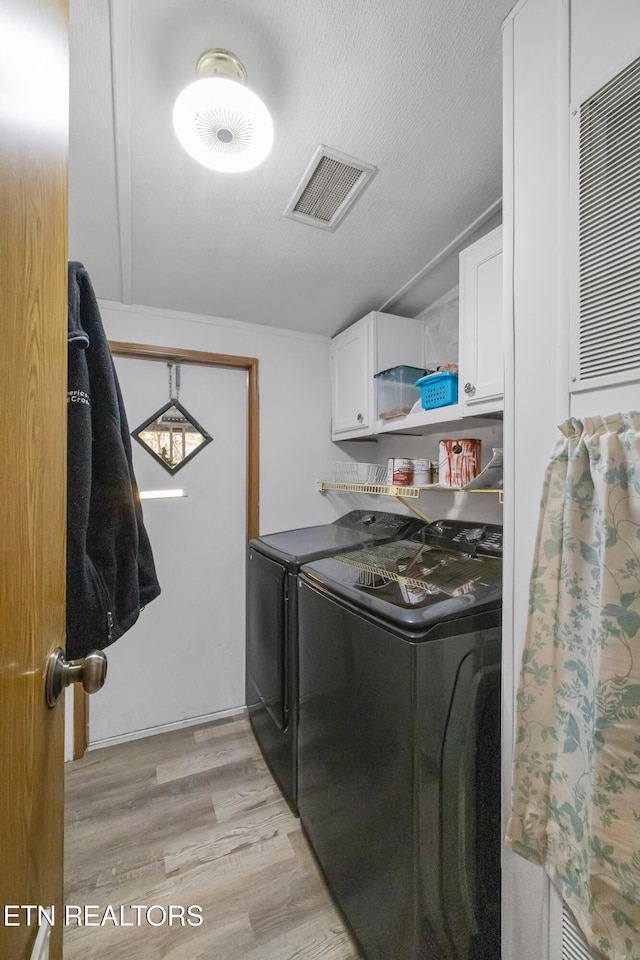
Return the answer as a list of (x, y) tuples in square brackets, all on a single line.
[(352, 383), (481, 377)]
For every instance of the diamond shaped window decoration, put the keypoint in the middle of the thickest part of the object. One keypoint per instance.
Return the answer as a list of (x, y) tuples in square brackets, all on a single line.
[(172, 436)]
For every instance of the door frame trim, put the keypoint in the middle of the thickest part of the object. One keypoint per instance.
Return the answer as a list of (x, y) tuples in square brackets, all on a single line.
[(143, 351)]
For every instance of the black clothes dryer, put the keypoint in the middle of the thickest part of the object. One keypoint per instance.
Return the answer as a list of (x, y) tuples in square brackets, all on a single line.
[(273, 562), (399, 739)]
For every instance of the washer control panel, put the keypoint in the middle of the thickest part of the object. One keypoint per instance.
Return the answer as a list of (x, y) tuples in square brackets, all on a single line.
[(465, 536), (380, 523)]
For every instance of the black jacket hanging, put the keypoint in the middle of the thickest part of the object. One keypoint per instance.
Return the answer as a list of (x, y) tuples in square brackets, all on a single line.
[(110, 570)]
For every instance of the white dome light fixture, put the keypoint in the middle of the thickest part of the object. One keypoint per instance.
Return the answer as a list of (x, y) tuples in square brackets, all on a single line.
[(218, 120)]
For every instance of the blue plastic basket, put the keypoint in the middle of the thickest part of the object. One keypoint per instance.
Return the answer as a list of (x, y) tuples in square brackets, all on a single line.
[(438, 390)]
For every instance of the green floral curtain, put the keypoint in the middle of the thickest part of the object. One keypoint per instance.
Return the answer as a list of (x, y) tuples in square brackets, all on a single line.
[(576, 788)]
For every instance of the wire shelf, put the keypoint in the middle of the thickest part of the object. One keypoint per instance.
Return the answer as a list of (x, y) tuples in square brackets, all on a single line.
[(347, 471), (411, 493), (381, 489), (376, 569)]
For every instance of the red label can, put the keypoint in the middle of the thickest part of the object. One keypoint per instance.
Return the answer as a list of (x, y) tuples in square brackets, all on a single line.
[(459, 462), (399, 472)]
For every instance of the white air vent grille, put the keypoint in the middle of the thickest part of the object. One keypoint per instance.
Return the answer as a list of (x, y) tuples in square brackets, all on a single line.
[(609, 231), (330, 184), (574, 945)]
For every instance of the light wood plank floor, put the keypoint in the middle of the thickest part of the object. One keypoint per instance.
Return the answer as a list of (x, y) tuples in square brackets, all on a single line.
[(186, 818)]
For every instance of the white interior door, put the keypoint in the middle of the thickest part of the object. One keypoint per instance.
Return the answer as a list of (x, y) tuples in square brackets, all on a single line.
[(184, 658)]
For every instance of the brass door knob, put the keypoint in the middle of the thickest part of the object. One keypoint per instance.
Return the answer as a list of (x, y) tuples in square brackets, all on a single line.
[(90, 672)]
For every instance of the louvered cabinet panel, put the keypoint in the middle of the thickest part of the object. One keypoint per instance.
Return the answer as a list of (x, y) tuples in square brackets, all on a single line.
[(574, 945), (606, 328)]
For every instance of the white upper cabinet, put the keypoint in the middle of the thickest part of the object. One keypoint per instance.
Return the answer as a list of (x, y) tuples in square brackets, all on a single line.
[(375, 343), (481, 376), (352, 382), (472, 337)]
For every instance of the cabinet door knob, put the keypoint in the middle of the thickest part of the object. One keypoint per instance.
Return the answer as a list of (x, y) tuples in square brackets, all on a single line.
[(469, 389), (359, 418)]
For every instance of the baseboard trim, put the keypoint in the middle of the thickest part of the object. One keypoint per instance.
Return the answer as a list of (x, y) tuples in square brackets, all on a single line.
[(163, 728)]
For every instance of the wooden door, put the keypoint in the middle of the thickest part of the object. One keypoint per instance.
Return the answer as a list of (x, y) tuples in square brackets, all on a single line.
[(33, 281)]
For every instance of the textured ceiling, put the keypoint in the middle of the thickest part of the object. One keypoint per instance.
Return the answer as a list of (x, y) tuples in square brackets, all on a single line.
[(412, 87)]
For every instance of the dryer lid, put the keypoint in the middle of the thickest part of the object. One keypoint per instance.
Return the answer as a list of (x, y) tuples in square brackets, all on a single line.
[(293, 547)]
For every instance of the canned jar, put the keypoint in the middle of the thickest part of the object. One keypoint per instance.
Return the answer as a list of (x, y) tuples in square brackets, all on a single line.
[(421, 472), (399, 472)]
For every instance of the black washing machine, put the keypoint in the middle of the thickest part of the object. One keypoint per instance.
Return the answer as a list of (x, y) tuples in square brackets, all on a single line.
[(273, 562), (399, 739)]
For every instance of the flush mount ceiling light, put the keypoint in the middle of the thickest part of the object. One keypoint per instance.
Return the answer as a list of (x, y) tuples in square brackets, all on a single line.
[(218, 120)]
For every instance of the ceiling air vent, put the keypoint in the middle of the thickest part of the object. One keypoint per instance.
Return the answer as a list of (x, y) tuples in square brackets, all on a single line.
[(330, 184)]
